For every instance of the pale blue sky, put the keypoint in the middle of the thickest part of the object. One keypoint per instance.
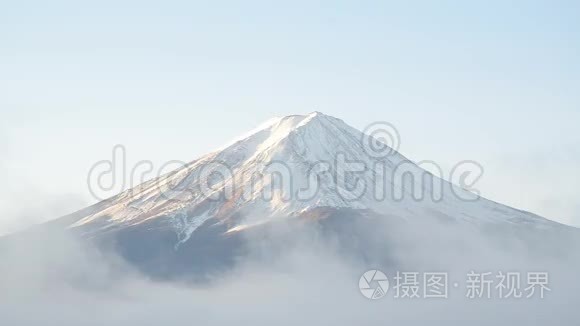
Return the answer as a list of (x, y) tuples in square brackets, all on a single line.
[(493, 81)]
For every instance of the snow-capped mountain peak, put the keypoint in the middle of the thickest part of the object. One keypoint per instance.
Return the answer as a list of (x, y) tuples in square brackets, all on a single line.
[(283, 168)]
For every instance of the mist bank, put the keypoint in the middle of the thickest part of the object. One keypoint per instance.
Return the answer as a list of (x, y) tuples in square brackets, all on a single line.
[(289, 271)]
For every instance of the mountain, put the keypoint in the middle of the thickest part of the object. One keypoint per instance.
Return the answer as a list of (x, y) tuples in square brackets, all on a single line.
[(297, 168)]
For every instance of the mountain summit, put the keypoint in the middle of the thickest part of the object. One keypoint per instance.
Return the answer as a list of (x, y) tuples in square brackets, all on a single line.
[(288, 167)]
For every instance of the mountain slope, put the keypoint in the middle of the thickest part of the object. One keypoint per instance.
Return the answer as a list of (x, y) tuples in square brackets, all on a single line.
[(295, 182)]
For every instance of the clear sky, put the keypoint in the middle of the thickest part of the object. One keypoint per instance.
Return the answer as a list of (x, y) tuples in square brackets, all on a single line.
[(493, 81)]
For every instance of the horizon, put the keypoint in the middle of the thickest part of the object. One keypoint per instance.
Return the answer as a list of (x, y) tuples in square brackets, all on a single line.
[(92, 199)]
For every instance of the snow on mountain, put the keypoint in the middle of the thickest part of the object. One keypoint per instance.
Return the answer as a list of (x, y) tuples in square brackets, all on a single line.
[(286, 167)]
